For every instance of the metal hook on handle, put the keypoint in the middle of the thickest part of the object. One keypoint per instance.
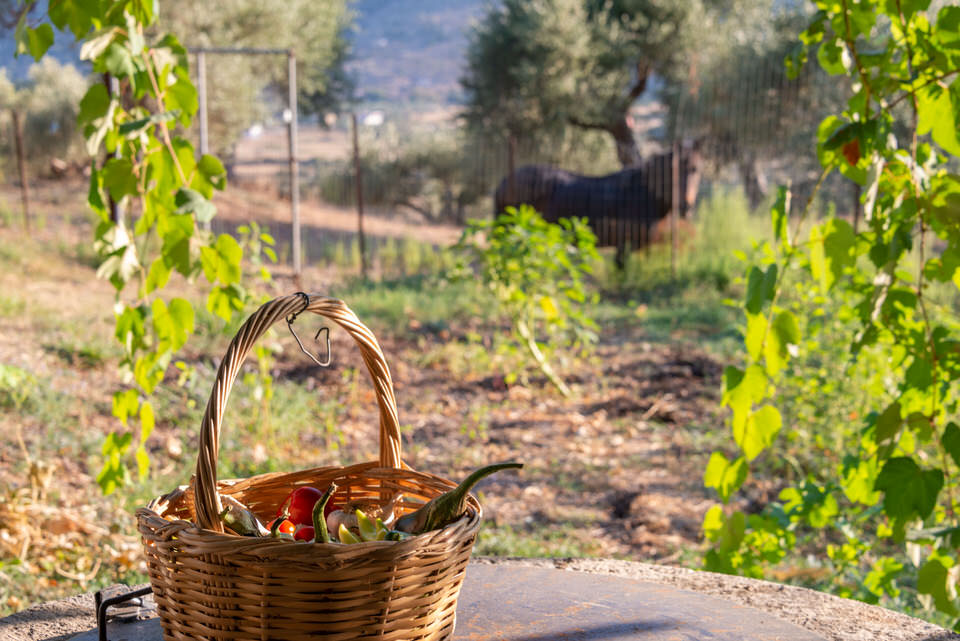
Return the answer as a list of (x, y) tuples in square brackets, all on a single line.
[(325, 363), (316, 338)]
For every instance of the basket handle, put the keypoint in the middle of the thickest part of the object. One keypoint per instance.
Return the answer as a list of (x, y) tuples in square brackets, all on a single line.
[(207, 501)]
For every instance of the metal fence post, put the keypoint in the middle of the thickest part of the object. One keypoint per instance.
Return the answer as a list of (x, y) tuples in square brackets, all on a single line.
[(675, 209), (21, 166), (294, 168), (358, 171)]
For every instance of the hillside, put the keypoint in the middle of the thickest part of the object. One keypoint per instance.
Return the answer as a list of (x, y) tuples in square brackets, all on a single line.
[(410, 49), (403, 50)]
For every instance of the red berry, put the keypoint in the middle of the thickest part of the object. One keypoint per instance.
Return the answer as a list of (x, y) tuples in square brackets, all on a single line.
[(851, 151), (304, 533)]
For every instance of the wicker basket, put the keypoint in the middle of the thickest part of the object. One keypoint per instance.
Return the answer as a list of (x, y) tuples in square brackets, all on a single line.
[(212, 585)]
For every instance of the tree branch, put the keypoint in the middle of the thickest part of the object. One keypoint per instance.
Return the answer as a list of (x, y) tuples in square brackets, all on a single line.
[(643, 73), (601, 126)]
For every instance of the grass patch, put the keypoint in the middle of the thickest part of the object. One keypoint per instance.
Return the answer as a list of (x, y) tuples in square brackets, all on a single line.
[(391, 304), (550, 540), (84, 356), (12, 306)]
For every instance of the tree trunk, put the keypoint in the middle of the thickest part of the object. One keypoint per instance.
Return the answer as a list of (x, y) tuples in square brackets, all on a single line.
[(754, 183), (627, 152)]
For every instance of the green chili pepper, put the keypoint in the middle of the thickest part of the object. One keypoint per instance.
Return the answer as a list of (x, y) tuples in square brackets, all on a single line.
[(320, 534), (447, 507)]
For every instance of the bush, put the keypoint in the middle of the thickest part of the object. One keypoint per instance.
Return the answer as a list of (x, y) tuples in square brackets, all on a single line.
[(536, 272)]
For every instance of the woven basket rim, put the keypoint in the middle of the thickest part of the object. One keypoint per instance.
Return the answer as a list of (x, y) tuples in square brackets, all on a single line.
[(474, 510)]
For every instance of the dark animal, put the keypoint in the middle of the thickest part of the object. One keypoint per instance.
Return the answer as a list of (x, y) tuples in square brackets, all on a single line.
[(623, 209)]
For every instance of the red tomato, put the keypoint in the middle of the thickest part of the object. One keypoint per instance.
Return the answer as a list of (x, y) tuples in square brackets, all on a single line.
[(299, 505), (304, 533), (286, 525)]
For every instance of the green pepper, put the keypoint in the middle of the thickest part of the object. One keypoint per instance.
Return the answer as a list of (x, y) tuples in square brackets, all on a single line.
[(447, 507), (320, 534)]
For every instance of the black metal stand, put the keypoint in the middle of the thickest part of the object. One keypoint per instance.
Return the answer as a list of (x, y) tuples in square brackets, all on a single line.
[(102, 604)]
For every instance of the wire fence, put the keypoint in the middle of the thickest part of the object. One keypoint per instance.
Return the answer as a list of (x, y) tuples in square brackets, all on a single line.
[(748, 129)]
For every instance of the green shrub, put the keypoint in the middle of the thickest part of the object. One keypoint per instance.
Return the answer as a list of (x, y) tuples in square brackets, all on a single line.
[(536, 272)]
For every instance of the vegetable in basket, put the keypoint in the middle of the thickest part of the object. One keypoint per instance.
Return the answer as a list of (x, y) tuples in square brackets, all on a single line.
[(447, 507), (240, 519), (320, 533), (349, 514), (298, 506)]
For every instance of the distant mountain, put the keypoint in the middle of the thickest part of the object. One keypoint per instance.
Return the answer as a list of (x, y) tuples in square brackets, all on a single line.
[(411, 50), (403, 50)]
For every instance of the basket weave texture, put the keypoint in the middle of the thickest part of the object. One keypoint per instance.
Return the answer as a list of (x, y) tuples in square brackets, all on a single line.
[(209, 584)]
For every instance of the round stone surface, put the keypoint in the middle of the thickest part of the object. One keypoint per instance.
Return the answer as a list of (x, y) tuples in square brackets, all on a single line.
[(510, 603), (517, 603)]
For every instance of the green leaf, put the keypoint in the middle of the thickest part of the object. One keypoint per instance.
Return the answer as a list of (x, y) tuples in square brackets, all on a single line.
[(135, 127), (888, 423), (779, 213), (908, 490), (130, 329), (831, 55), (951, 441), (172, 324), (754, 337), (938, 109), (908, 7), (119, 179), (118, 61), (177, 231), (148, 371), (742, 388), (920, 374), (113, 474), (39, 40), (231, 254), (758, 432), (181, 313), (223, 301), (831, 251), (143, 462), (210, 262), (934, 579), (760, 288), (713, 522), (881, 579), (724, 476), (157, 276), (782, 339), (94, 46), (211, 174), (146, 421), (182, 95), (189, 201), (125, 404), (859, 479), (94, 104), (948, 26)]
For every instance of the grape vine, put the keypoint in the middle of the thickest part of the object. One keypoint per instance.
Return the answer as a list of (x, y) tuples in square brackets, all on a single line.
[(146, 167), (883, 503)]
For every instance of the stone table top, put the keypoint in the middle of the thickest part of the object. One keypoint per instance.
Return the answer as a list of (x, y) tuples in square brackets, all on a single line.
[(538, 600)]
